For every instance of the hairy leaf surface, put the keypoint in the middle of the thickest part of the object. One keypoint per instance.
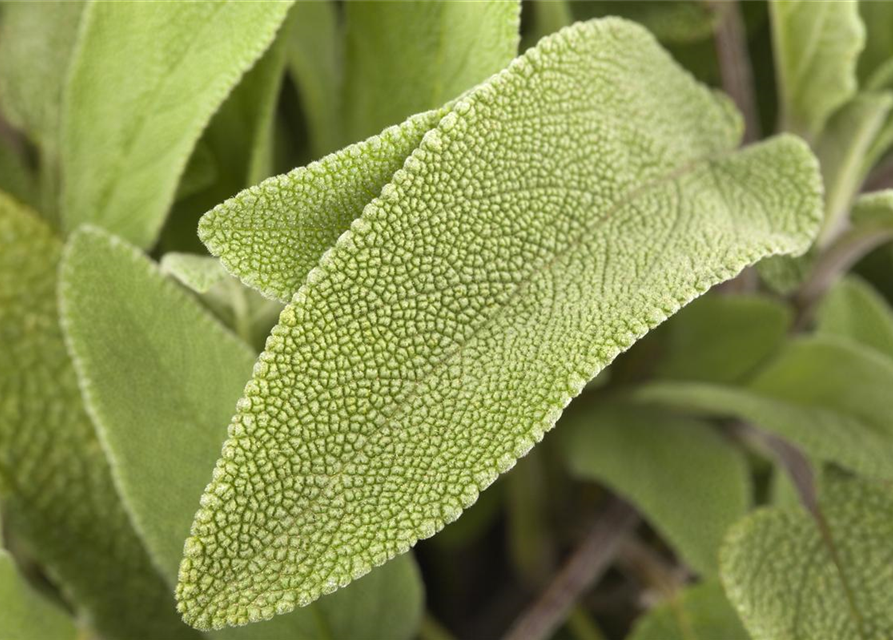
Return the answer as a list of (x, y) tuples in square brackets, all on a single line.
[(828, 395), (190, 370), (816, 47), (640, 452), (60, 495), (853, 309), (556, 214), (145, 80), (792, 576), (701, 612)]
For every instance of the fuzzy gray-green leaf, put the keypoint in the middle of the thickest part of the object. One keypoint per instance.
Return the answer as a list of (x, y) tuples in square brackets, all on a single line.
[(554, 216)]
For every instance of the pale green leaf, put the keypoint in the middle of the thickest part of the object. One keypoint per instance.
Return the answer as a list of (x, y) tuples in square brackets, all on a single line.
[(640, 453), (791, 576), (876, 61), (546, 223), (874, 210), (185, 366), (314, 51), (145, 80), (671, 21), (199, 273), (701, 612), (825, 394), (403, 58), (853, 309), (816, 47), (26, 615), (722, 338), (548, 17), (61, 497)]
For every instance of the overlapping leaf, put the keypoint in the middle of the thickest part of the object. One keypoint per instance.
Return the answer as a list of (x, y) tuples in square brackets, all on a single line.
[(701, 612), (557, 213), (854, 310)]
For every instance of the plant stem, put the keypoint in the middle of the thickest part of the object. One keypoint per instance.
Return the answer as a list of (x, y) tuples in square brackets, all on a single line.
[(431, 629), (735, 69), (587, 563)]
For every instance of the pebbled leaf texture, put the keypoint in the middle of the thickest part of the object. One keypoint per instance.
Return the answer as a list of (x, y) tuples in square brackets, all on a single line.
[(25, 614), (816, 47), (560, 211), (639, 452), (145, 80), (183, 363), (59, 493), (792, 576), (701, 612)]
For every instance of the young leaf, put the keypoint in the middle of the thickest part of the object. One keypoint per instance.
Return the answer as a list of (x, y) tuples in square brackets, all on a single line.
[(60, 495), (559, 211), (190, 370), (640, 453), (723, 338), (701, 612), (816, 46), (145, 80), (25, 614), (407, 57), (853, 309), (791, 575), (825, 394)]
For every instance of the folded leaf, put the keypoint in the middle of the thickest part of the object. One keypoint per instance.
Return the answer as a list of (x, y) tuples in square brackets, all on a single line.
[(791, 576), (853, 309), (722, 338), (190, 370), (701, 612), (145, 80), (816, 46), (60, 495), (689, 482), (25, 614), (827, 395), (407, 57), (559, 211)]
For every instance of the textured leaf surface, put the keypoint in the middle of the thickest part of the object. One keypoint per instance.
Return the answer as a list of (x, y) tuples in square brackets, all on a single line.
[(407, 57), (61, 495), (546, 223), (190, 370), (698, 613), (24, 614), (791, 576), (722, 338), (640, 452), (144, 82), (828, 395), (853, 309), (816, 46)]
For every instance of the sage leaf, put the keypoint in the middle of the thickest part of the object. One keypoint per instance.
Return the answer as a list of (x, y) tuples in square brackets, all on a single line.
[(853, 309), (701, 612), (25, 614), (59, 490), (186, 366), (199, 273), (640, 452), (816, 46), (722, 338), (145, 80), (16, 179), (671, 22), (876, 61), (791, 575), (827, 395), (409, 57), (522, 247)]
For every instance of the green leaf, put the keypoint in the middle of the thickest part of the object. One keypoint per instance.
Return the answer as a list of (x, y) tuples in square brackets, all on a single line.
[(816, 45), (876, 61), (671, 21), (199, 273), (722, 338), (16, 179), (827, 395), (549, 16), (499, 271), (689, 481), (314, 51), (791, 576), (25, 614), (61, 497), (145, 80), (853, 309), (190, 370), (701, 612), (407, 57)]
